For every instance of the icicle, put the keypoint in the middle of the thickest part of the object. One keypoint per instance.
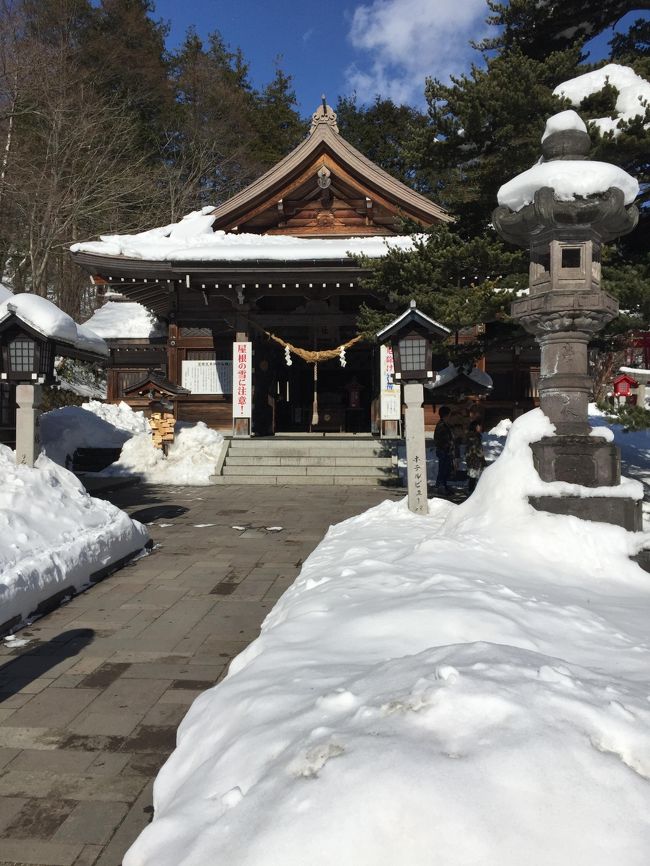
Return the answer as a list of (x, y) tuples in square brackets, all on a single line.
[(287, 356), (342, 356)]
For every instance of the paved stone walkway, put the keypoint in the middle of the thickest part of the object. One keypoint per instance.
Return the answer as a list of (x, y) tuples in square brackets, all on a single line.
[(90, 706)]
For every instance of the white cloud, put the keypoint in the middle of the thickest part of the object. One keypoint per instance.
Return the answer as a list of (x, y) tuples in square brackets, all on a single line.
[(406, 40)]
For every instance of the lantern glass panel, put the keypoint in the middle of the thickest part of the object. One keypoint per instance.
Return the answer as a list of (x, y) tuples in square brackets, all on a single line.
[(21, 355), (413, 354)]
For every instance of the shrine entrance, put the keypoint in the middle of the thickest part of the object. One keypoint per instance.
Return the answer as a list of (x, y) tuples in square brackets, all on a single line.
[(344, 395)]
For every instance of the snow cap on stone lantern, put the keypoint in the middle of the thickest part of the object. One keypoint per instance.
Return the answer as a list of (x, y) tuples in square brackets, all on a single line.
[(565, 207)]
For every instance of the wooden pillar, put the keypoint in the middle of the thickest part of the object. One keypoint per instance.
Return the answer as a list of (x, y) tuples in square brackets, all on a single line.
[(173, 362)]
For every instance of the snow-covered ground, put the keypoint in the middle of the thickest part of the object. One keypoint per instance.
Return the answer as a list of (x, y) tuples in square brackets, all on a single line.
[(467, 687), (53, 535)]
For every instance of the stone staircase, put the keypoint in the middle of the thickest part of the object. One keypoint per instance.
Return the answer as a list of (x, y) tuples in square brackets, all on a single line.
[(309, 460)]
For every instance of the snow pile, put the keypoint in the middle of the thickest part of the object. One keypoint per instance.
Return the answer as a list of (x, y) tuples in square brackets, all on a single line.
[(191, 459), (569, 179), (124, 320), (633, 93), (5, 293), (192, 239), (46, 318), (564, 120), (91, 425), (53, 535), (465, 687)]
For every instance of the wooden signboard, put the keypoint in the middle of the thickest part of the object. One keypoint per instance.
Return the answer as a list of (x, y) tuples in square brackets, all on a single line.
[(242, 379), (391, 392), (207, 377)]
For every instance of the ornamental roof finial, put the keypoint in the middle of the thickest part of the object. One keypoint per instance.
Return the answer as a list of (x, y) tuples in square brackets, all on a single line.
[(324, 115)]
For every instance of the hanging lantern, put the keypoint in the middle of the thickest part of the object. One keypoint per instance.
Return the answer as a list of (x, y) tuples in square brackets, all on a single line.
[(411, 336), (26, 357)]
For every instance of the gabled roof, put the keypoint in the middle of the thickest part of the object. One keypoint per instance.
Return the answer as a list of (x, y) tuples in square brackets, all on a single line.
[(155, 380), (325, 147), (413, 316)]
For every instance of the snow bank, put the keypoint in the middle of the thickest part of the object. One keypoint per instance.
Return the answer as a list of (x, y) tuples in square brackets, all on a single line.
[(570, 179), (46, 318), (465, 687), (191, 459), (5, 293), (53, 535), (124, 320), (633, 92), (91, 425), (192, 239)]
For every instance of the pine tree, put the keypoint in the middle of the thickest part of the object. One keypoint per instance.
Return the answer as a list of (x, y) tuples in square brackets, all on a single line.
[(485, 127), (539, 28), (123, 48), (458, 282), (382, 131), (279, 127)]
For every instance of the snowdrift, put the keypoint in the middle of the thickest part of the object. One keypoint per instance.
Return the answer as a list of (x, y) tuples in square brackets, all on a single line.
[(466, 687), (53, 535), (91, 425)]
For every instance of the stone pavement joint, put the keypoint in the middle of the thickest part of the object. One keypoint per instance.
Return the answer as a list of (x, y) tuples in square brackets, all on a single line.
[(90, 707)]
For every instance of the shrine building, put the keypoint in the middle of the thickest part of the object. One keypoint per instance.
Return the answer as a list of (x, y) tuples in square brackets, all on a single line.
[(271, 269)]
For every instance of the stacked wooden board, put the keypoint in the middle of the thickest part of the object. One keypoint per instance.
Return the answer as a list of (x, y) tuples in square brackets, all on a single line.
[(162, 428)]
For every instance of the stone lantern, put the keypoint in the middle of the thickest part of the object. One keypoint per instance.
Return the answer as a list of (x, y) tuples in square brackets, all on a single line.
[(411, 337), (563, 210)]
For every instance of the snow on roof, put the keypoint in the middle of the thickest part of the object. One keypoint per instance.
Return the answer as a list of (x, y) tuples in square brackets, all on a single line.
[(124, 320), (46, 318), (192, 239), (568, 119), (570, 179), (632, 91)]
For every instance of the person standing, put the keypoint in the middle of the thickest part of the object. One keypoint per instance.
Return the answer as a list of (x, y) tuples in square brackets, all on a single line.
[(443, 440), (474, 456)]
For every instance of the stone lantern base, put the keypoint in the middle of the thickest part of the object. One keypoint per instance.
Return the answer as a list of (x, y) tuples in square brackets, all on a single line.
[(589, 461), (586, 460), (603, 509)]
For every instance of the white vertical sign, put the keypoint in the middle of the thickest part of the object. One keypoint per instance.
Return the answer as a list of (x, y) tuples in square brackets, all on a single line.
[(391, 392), (242, 364)]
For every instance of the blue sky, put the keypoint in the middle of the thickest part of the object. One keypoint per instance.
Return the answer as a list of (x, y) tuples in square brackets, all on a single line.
[(342, 46)]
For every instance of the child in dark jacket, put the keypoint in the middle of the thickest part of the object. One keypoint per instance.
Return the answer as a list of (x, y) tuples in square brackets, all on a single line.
[(474, 457)]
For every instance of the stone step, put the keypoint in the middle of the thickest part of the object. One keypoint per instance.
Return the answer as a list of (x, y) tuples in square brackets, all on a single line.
[(301, 460), (309, 480), (307, 451), (268, 445), (307, 470)]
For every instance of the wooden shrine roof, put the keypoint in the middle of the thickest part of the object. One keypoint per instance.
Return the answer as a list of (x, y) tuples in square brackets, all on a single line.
[(325, 187)]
